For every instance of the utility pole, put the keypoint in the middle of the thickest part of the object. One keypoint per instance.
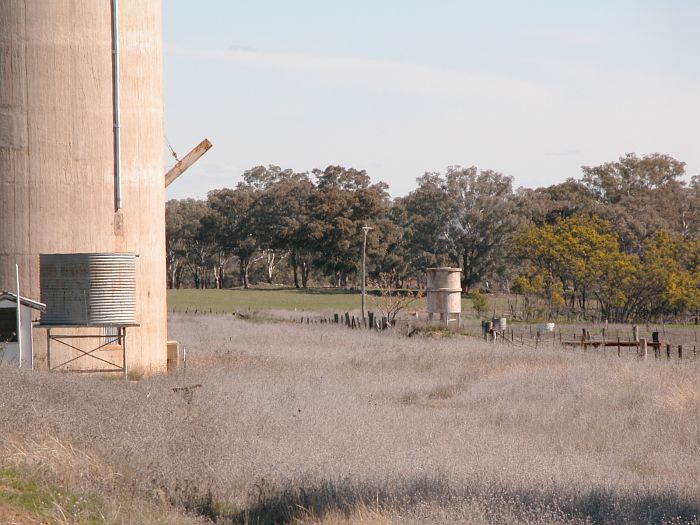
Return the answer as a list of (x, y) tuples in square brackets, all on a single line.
[(364, 259)]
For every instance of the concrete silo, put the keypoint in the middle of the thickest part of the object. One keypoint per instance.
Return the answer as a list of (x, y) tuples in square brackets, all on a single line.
[(444, 294), (67, 185)]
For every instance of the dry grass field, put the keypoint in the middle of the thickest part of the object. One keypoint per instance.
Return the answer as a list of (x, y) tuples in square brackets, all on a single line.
[(322, 425)]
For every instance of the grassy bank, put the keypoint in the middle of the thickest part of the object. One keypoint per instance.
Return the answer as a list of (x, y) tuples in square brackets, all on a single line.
[(23, 500)]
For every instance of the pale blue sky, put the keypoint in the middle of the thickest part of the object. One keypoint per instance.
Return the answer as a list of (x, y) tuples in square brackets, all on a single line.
[(533, 89)]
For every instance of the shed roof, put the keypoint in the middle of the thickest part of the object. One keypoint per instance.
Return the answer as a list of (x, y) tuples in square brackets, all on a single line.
[(23, 300)]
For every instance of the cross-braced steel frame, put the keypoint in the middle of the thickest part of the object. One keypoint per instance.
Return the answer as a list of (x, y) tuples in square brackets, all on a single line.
[(105, 340)]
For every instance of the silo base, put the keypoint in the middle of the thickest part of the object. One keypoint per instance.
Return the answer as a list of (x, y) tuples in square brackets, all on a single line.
[(446, 319)]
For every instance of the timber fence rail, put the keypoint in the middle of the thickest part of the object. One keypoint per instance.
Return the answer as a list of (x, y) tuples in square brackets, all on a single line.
[(642, 346)]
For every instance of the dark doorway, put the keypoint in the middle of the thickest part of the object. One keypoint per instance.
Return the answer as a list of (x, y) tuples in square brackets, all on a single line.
[(8, 325)]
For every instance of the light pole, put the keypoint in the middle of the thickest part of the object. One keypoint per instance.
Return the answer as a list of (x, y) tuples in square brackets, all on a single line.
[(364, 258)]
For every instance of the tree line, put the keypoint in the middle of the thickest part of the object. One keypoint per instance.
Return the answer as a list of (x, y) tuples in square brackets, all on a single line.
[(620, 242)]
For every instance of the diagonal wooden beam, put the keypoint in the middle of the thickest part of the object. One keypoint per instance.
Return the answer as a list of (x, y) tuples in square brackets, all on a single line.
[(187, 161)]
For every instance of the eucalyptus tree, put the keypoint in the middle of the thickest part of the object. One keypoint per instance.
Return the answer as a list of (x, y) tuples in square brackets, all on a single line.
[(231, 225), (343, 202), (279, 214), (482, 218), (546, 205), (464, 218), (424, 216), (188, 243), (640, 196)]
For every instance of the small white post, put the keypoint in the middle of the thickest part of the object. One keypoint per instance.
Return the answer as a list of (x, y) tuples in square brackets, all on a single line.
[(643, 348), (19, 316)]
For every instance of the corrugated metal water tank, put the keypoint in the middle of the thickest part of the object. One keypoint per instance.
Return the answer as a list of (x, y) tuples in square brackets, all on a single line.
[(88, 288)]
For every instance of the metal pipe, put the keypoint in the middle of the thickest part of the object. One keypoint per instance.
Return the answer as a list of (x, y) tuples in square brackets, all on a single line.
[(19, 316), (115, 105)]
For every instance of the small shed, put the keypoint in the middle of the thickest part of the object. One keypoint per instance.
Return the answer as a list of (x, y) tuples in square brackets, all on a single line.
[(9, 340)]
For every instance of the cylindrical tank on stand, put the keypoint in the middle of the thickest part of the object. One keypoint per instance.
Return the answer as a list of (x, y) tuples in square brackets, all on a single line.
[(58, 162), (88, 289), (444, 293)]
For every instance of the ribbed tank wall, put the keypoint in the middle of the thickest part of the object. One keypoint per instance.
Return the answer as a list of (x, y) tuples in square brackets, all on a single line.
[(96, 289), (57, 179)]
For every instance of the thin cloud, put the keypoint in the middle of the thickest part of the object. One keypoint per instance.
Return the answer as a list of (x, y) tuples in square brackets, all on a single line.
[(387, 75), (236, 47)]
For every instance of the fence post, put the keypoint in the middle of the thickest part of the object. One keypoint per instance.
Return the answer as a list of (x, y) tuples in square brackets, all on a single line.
[(604, 345), (668, 351), (643, 348), (635, 333), (680, 351), (657, 344)]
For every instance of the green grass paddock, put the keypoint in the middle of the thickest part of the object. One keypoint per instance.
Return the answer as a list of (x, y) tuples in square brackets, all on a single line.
[(311, 300), (239, 299)]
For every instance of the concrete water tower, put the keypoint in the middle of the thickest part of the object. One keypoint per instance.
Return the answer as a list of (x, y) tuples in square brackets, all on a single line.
[(81, 148), (444, 294)]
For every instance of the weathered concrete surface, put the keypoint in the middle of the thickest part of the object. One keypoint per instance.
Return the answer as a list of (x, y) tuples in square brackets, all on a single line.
[(56, 148)]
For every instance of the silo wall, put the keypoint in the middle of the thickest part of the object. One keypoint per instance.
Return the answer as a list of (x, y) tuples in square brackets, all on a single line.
[(57, 175)]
